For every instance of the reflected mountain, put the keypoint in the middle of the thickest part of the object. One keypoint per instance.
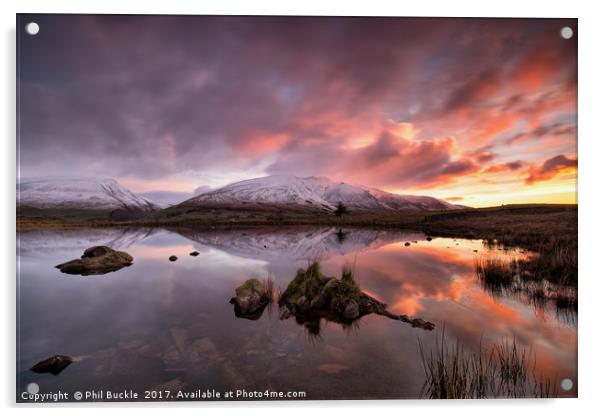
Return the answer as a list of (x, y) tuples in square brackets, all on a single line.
[(49, 241), (297, 243)]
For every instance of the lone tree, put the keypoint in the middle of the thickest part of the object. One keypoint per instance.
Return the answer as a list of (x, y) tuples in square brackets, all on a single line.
[(340, 210)]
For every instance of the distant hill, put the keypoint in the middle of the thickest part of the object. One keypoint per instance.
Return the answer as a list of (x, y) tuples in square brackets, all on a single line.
[(310, 194), (63, 194)]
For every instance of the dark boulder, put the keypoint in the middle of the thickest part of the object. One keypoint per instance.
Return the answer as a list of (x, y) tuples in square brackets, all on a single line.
[(173, 258), (194, 253), (53, 365), (97, 260)]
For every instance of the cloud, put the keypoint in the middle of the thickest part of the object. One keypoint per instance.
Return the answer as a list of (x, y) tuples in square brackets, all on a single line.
[(550, 168), (486, 157), (505, 167), (389, 160), (554, 129), (398, 103), (477, 88), (201, 189)]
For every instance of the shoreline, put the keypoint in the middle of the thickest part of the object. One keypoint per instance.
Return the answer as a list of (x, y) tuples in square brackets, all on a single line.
[(548, 230)]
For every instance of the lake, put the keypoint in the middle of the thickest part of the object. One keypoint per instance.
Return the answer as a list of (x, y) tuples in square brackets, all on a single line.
[(161, 325)]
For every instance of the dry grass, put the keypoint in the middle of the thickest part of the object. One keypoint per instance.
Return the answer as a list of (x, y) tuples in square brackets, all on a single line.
[(505, 370), (268, 289), (495, 274)]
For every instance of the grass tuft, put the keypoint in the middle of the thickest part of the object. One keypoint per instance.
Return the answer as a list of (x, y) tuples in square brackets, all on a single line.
[(495, 274), (503, 371)]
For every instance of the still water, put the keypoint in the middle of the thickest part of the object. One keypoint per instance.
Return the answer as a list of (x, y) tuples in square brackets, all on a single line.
[(161, 325)]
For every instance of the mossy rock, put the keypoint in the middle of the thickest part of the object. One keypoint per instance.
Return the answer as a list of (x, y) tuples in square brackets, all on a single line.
[(97, 260), (311, 296), (252, 297)]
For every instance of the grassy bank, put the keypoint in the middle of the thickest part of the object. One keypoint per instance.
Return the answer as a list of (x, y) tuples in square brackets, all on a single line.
[(548, 230), (501, 277)]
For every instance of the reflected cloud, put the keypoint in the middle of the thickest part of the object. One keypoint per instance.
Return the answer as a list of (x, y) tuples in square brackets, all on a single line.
[(159, 323)]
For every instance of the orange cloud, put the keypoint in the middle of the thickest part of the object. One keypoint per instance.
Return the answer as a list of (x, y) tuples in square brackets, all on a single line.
[(260, 142), (550, 168), (505, 167)]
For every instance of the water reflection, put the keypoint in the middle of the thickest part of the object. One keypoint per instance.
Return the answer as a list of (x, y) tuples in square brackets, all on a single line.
[(159, 323)]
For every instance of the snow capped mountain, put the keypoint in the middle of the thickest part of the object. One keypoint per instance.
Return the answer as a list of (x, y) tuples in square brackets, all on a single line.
[(79, 193), (316, 193), (351, 196), (412, 202), (269, 191)]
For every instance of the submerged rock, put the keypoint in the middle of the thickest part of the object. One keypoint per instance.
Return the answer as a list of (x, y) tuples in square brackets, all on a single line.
[(333, 368), (312, 296), (53, 365), (172, 385), (252, 297), (97, 260)]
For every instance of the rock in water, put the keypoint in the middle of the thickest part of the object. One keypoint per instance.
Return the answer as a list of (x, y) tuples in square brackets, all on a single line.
[(194, 253), (251, 299), (173, 258), (53, 365), (97, 260)]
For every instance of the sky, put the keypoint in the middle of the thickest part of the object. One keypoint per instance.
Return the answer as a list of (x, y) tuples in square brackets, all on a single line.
[(479, 112)]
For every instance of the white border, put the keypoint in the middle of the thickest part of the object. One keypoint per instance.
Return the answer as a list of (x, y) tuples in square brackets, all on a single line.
[(590, 110)]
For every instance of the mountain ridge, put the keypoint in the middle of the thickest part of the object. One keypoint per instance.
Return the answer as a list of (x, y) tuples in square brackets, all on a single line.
[(310, 193), (85, 193), (268, 193)]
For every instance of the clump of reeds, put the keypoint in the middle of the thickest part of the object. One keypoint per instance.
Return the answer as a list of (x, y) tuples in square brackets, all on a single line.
[(495, 274), (503, 370), (269, 292), (555, 262), (453, 373), (348, 274), (268, 288), (512, 367)]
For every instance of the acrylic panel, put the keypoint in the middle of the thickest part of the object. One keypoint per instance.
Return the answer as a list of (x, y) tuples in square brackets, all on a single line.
[(295, 208)]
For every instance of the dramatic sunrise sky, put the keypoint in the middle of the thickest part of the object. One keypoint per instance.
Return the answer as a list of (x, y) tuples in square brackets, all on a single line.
[(476, 111)]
